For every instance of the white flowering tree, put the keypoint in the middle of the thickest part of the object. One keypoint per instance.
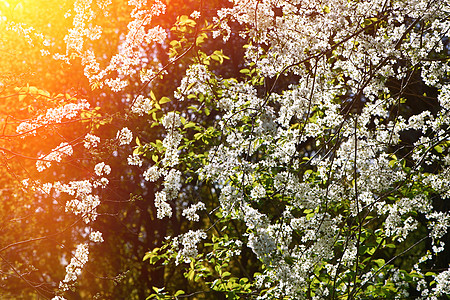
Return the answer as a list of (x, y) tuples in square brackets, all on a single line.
[(329, 153), (320, 170)]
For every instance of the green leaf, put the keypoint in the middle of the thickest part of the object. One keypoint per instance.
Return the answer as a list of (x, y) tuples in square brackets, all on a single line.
[(147, 255), (438, 148), (152, 96), (226, 274), (164, 100), (191, 275), (190, 125), (380, 262)]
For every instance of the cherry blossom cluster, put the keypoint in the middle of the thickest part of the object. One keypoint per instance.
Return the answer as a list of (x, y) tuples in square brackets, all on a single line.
[(52, 116), (172, 176), (124, 136), (191, 212), (187, 245), (96, 236), (29, 34), (141, 105), (91, 141), (56, 155), (74, 268), (84, 203), (130, 51)]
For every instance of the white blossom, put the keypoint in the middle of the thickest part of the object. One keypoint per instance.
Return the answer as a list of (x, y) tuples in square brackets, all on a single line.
[(188, 244), (163, 209), (191, 212), (74, 268), (102, 168), (442, 283), (195, 14), (152, 173), (141, 105), (96, 236), (45, 161), (134, 160), (124, 136), (91, 141), (171, 120)]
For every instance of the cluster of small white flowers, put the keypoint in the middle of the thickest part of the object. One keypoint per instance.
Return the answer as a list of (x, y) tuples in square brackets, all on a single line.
[(253, 218), (152, 173), (444, 97), (147, 75), (116, 84), (125, 136), (262, 244), (96, 236), (57, 154), (85, 203), (439, 224), (46, 187), (236, 246), (172, 183), (141, 105), (171, 120), (171, 143), (87, 207), (172, 177), (163, 209), (102, 182), (77, 262), (130, 49), (191, 212), (188, 244), (29, 34), (195, 14), (103, 4), (83, 15), (137, 36), (52, 116), (102, 169), (91, 141), (442, 283), (228, 199), (258, 192), (398, 222), (193, 82), (134, 160)]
